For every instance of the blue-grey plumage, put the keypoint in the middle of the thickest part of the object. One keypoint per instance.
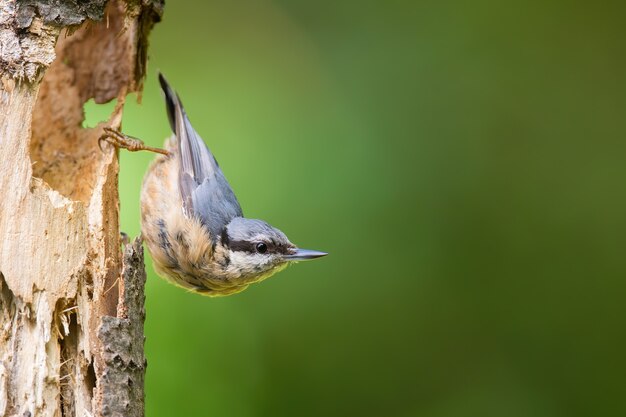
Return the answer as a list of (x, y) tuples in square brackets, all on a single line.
[(192, 222), (204, 190)]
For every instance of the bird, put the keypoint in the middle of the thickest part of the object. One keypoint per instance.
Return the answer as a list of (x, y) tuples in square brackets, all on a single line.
[(191, 220)]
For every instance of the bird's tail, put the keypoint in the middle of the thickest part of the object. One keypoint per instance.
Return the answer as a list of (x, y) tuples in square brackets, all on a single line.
[(171, 101)]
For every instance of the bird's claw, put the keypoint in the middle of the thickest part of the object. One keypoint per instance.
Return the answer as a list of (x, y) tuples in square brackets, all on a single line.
[(121, 140)]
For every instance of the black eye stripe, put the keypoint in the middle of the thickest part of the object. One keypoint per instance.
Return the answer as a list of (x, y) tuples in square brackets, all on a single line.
[(225, 240), (242, 246), (251, 247)]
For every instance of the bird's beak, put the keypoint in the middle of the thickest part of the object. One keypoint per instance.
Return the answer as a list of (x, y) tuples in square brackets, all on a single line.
[(304, 255)]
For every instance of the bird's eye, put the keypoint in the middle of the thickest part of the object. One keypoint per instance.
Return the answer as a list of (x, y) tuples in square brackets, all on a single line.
[(261, 247)]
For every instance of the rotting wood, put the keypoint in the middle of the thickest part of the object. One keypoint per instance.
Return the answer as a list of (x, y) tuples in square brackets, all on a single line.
[(122, 336), (64, 299)]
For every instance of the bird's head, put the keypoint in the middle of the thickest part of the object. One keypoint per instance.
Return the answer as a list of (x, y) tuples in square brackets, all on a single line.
[(258, 250)]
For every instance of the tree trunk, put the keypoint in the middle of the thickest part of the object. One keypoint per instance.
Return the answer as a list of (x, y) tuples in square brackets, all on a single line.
[(71, 303)]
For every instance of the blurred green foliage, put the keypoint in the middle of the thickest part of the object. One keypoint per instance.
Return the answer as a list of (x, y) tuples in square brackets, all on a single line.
[(464, 165)]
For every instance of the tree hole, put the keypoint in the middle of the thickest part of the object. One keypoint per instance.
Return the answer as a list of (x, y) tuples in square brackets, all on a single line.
[(95, 113)]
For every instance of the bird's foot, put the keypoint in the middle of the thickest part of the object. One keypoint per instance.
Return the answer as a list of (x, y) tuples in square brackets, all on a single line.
[(120, 140)]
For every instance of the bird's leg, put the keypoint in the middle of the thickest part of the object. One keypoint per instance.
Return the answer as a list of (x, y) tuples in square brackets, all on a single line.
[(120, 140)]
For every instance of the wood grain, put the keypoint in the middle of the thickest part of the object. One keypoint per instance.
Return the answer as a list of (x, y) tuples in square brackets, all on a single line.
[(61, 264)]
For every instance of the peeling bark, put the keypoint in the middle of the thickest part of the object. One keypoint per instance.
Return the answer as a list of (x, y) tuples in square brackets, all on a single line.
[(122, 340), (71, 306)]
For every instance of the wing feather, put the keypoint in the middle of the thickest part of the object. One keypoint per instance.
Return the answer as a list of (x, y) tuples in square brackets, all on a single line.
[(205, 192)]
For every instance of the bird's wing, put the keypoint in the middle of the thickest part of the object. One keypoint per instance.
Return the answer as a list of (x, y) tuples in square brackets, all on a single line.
[(204, 190)]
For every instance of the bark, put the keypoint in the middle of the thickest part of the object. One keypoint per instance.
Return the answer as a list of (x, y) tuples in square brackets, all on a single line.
[(71, 303)]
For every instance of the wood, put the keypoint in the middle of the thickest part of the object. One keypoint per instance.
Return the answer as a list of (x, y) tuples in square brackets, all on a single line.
[(71, 304)]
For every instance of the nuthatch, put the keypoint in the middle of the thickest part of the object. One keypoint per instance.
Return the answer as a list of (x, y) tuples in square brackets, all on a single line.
[(191, 220)]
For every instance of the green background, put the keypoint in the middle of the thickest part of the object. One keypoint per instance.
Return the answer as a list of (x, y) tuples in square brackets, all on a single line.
[(464, 165)]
